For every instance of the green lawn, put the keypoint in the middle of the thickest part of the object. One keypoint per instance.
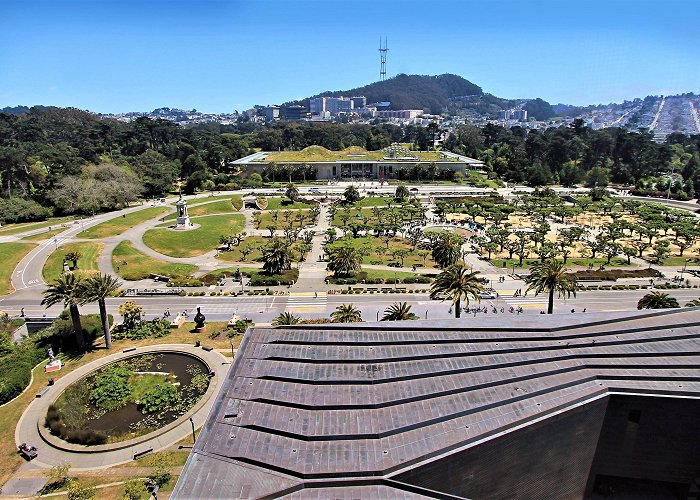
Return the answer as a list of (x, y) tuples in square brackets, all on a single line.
[(217, 207), (285, 204), (87, 264), (375, 251), (10, 255), (236, 200), (45, 235), (256, 242), (118, 225), (30, 226), (235, 255), (268, 218), (680, 261), (375, 201), (139, 266), (193, 242)]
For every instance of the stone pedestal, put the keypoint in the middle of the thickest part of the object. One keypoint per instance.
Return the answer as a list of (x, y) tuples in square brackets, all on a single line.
[(183, 220)]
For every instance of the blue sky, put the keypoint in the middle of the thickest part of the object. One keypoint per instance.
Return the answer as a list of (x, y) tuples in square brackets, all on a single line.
[(215, 55)]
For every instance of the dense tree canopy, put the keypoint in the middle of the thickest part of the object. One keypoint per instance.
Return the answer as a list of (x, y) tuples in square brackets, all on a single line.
[(49, 154)]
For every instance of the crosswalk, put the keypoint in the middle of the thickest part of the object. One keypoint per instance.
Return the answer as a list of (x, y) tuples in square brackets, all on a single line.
[(307, 301), (529, 300)]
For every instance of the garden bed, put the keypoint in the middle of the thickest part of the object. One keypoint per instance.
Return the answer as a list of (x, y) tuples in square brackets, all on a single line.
[(128, 398), (615, 274)]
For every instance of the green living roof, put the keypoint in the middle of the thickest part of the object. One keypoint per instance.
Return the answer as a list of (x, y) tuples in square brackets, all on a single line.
[(354, 153)]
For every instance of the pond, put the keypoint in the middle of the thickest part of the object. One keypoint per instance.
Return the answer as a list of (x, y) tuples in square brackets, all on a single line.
[(128, 398)]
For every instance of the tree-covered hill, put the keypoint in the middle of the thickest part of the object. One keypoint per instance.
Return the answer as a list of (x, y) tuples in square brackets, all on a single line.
[(431, 93), (539, 109)]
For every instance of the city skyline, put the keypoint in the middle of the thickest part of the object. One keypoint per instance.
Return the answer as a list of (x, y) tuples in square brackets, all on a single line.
[(217, 56)]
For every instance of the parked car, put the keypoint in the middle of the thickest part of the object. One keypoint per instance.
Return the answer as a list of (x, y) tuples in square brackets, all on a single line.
[(486, 294)]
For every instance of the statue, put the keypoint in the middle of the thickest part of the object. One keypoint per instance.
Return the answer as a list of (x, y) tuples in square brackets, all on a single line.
[(183, 219), (50, 354), (199, 320)]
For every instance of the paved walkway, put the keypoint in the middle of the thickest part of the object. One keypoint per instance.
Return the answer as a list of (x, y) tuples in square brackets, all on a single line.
[(27, 428), (312, 273)]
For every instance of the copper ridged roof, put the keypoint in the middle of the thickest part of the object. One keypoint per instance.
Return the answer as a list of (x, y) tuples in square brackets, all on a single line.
[(322, 411)]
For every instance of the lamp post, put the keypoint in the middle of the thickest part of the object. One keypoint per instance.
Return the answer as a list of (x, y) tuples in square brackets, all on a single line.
[(193, 436), (683, 270), (232, 354)]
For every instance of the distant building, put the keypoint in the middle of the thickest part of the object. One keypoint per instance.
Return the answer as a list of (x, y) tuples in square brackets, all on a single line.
[(335, 105), (513, 114), (272, 113), (519, 114), (317, 106), (359, 101), (296, 113), (406, 114), (360, 164)]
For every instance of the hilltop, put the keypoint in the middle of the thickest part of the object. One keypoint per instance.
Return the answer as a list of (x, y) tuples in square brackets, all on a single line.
[(431, 93)]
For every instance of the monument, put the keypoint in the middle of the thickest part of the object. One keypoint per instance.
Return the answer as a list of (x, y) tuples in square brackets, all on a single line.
[(54, 364), (183, 220), (199, 321)]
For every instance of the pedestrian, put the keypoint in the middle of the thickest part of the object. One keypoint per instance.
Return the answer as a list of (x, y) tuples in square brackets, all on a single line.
[(21, 313), (315, 295), (573, 311)]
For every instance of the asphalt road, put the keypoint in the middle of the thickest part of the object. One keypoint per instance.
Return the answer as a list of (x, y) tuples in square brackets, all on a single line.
[(262, 309)]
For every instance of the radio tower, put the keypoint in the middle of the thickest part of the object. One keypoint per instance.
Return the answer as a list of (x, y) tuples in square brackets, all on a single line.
[(382, 58)]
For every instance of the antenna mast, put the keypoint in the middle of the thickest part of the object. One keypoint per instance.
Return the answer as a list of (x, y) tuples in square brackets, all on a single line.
[(382, 58)]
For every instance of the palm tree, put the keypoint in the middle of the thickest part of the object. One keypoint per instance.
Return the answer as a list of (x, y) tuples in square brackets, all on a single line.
[(551, 276), (67, 289), (657, 300), (456, 283), (286, 318), (344, 260), (447, 249), (97, 288), (346, 313), (276, 257), (399, 311)]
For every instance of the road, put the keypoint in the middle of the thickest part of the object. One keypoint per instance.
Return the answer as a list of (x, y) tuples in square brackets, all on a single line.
[(262, 309)]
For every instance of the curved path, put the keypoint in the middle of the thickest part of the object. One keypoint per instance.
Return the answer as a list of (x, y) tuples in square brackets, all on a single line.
[(27, 430)]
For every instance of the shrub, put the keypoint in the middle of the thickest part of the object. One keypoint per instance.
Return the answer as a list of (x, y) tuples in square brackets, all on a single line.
[(161, 474), (111, 390), (156, 328), (80, 491), (159, 398), (134, 490), (55, 423)]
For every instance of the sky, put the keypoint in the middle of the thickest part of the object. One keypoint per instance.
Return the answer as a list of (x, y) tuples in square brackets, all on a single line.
[(112, 56)]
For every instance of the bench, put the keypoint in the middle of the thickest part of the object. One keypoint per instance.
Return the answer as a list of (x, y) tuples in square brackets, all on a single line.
[(143, 453), (177, 321), (129, 349), (207, 348)]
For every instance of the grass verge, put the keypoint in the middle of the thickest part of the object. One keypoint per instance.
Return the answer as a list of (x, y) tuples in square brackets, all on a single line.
[(193, 242), (118, 225), (87, 264), (140, 266), (10, 255)]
